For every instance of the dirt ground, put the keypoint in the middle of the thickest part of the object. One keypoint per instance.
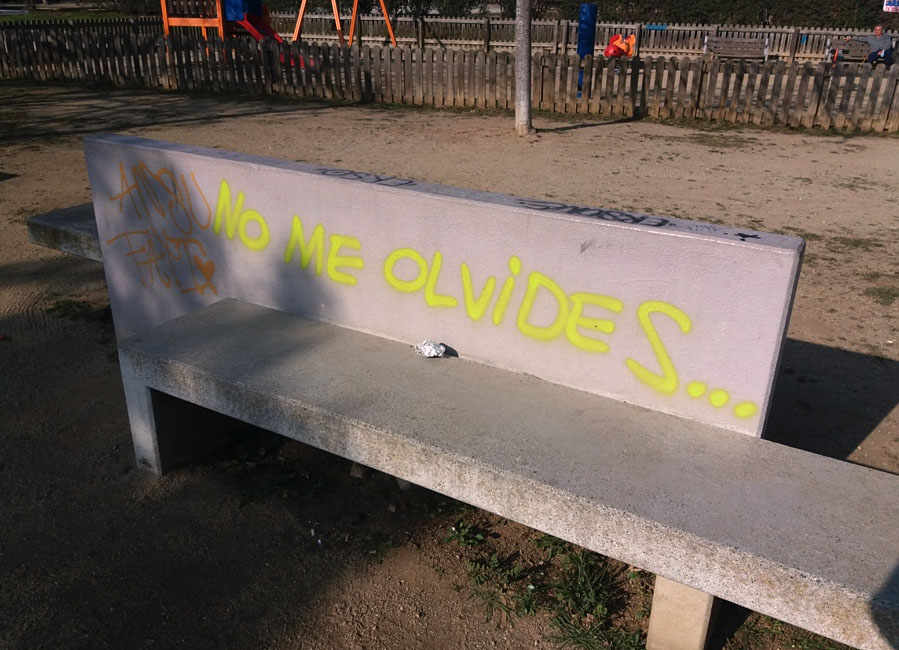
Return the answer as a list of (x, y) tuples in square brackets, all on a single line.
[(279, 546)]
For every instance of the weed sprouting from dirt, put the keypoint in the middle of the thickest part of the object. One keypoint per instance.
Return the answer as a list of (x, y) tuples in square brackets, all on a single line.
[(466, 533), (582, 594)]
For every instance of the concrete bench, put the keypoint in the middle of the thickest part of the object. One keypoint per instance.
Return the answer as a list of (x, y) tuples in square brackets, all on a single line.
[(736, 48), (642, 442)]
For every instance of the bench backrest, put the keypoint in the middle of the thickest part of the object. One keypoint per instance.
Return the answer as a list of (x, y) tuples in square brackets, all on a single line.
[(855, 48), (682, 317), (742, 48)]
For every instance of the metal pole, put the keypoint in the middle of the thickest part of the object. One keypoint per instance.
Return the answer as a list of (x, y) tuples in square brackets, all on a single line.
[(523, 124)]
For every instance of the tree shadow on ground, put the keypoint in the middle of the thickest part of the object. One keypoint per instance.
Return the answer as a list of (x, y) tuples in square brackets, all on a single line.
[(58, 110)]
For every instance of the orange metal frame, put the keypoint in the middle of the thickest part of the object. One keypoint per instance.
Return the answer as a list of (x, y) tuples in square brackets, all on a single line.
[(302, 13), (217, 21)]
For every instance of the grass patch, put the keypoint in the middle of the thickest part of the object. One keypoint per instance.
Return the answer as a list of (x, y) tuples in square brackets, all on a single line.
[(721, 140), (80, 310), (842, 244), (885, 296), (582, 594), (874, 276), (799, 232)]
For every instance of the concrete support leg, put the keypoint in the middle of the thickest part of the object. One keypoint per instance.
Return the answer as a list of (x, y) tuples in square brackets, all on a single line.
[(681, 617), (140, 416), (166, 431)]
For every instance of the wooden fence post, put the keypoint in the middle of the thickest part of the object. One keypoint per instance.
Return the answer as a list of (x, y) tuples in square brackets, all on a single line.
[(487, 33), (794, 46)]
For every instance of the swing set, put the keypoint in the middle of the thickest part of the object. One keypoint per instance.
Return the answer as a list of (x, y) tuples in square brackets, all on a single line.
[(228, 16)]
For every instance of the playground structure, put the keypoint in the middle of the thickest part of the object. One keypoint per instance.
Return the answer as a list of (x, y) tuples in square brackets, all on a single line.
[(228, 16), (224, 15)]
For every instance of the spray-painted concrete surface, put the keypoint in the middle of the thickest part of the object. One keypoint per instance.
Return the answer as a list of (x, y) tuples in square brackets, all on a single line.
[(680, 317), (804, 538)]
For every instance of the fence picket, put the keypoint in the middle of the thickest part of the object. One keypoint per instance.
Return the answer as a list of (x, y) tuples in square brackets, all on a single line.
[(585, 76), (770, 115), (620, 90), (880, 122), (638, 80), (866, 117), (829, 93), (607, 102), (734, 106), (429, 79), (377, 86), (683, 88), (761, 97), (417, 67), (440, 86), (74, 45), (490, 64), (6, 64), (799, 102), (848, 89), (343, 85), (860, 94), (893, 122), (810, 117), (658, 66), (470, 86)]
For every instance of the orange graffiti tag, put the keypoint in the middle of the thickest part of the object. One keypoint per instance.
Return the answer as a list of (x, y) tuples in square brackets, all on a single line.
[(162, 194), (164, 250)]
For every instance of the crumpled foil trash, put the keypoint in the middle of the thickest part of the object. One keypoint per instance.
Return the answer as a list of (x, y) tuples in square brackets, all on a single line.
[(430, 349)]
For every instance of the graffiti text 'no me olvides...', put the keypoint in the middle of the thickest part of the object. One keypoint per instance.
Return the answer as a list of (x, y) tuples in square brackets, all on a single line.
[(584, 320)]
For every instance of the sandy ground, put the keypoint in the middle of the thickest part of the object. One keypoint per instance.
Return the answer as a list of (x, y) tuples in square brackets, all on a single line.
[(94, 554)]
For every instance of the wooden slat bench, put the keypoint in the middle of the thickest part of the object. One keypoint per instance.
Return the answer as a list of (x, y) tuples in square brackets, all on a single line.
[(224, 319), (852, 50), (736, 48)]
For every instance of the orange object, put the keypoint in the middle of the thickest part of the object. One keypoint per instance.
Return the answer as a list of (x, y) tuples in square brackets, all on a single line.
[(302, 13), (209, 15), (620, 46)]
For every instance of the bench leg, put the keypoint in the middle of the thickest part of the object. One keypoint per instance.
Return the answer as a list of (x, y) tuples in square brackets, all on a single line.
[(681, 617), (166, 431)]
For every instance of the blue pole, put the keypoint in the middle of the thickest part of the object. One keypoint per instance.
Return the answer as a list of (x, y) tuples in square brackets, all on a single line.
[(586, 36)]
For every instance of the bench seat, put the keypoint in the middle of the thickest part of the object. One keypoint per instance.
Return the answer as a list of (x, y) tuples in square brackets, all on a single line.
[(804, 538), (71, 230), (736, 48)]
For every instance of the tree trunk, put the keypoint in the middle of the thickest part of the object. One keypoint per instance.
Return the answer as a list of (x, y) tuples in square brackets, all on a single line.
[(523, 68)]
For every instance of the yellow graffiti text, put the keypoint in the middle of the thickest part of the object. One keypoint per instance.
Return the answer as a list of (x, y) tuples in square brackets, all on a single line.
[(665, 382), (314, 247), (335, 260), (238, 220)]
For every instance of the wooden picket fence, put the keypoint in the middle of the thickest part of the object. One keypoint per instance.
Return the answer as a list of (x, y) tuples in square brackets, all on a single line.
[(845, 96), (789, 43)]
